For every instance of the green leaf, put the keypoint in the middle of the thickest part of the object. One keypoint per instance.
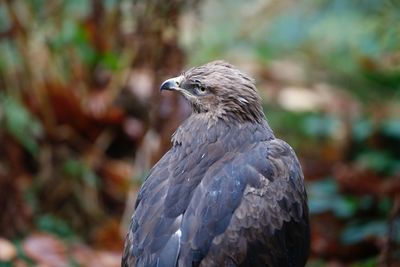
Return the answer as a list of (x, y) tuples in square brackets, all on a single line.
[(357, 232), (77, 8), (79, 170), (323, 196), (21, 124), (321, 125), (362, 129), (391, 127), (378, 160), (52, 224), (4, 19), (10, 58), (110, 60), (372, 262)]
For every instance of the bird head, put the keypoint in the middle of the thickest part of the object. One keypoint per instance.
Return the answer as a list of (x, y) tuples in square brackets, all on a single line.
[(220, 90)]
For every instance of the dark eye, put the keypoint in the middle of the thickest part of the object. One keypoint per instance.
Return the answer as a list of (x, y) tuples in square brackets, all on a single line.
[(200, 90)]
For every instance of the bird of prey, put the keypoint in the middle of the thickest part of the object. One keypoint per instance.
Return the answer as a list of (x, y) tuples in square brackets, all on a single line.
[(228, 193)]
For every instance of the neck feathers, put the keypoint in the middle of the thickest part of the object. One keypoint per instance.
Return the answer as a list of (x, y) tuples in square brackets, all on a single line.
[(200, 129)]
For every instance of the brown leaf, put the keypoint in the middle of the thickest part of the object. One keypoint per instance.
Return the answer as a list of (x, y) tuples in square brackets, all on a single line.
[(85, 256), (108, 235), (98, 106), (117, 176), (358, 181), (325, 240), (46, 250), (391, 186), (20, 263)]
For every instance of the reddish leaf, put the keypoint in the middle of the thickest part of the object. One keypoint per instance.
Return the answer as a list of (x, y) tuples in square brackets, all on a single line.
[(357, 181), (85, 256), (108, 236), (46, 249)]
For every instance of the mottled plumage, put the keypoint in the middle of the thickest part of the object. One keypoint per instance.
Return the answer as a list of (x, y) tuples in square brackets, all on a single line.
[(228, 193)]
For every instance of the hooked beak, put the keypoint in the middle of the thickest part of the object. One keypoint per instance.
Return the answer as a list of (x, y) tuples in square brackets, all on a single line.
[(172, 84)]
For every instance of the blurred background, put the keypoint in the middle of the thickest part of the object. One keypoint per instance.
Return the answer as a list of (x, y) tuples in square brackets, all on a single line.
[(82, 120)]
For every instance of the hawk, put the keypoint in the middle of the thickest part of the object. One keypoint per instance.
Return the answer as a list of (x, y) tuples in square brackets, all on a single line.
[(228, 192)]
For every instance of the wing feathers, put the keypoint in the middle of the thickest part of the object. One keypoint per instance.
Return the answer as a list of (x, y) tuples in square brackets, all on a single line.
[(243, 208), (272, 202)]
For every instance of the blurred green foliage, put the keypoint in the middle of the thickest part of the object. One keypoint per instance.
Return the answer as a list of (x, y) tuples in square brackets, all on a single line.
[(353, 43), (324, 196), (20, 123), (80, 170), (359, 231), (50, 223)]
